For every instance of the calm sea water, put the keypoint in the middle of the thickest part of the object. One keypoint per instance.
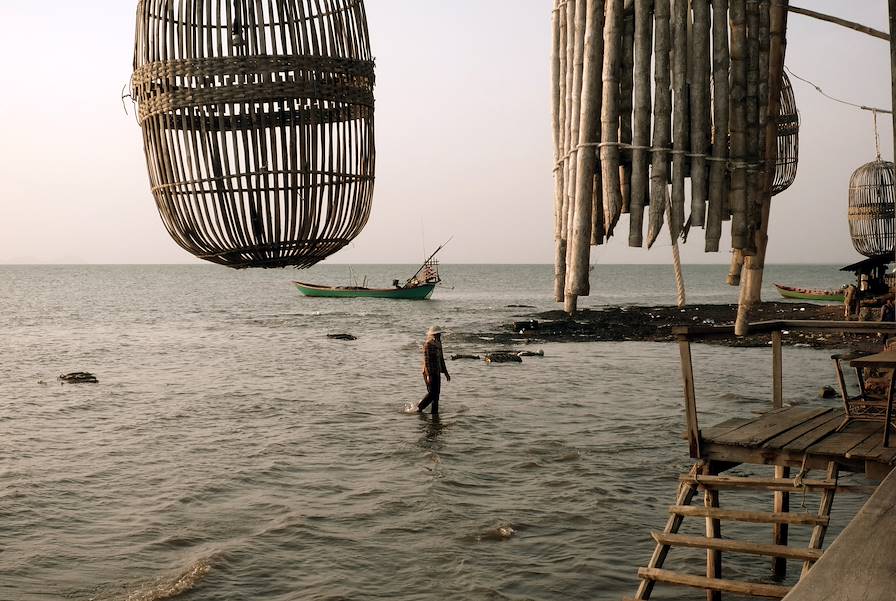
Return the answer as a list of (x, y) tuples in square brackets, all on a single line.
[(232, 451)]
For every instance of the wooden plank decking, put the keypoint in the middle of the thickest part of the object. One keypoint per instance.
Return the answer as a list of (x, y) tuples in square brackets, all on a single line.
[(794, 435)]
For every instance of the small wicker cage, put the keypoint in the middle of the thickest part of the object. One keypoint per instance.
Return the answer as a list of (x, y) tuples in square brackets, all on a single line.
[(257, 122), (788, 139), (871, 209)]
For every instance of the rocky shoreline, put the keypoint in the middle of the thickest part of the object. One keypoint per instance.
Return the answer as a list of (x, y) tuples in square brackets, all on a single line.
[(655, 323)]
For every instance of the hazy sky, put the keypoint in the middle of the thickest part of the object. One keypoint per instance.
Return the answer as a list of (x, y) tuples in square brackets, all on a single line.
[(463, 136)]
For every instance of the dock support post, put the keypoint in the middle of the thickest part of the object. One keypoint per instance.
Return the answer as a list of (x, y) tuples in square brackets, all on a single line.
[(690, 400), (782, 499), (777, 371), (779, 531), (713, 530)]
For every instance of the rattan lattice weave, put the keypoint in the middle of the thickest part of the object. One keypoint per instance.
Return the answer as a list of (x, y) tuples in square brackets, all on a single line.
[(788, 139), (257, 122), (871, 209)]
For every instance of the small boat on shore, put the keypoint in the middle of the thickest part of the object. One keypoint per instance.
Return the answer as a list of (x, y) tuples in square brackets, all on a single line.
[(419, 286), (817, 294)]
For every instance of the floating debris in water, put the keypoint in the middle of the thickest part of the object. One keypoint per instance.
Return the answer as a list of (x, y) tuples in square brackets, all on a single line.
[(523, 326), (342, 337), (531, 353), (503, 532), (507, 357), (457, 357), (78, 377)]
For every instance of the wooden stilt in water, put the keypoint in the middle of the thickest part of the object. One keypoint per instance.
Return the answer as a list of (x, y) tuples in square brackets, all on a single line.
[(751, 286), (578, 59), (589, 134), (713, 530), (559, 63), (780, 531)]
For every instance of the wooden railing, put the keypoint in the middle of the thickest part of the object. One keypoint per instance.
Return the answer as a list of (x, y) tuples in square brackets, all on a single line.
[(687, 334)]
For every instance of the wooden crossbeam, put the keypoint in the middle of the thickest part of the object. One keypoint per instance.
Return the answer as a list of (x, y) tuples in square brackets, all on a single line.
[(754, 482), (755, 589), (754, 517), (734, 546)]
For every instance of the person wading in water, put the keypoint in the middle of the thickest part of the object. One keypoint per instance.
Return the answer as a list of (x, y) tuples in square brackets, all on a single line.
[(433, 368)]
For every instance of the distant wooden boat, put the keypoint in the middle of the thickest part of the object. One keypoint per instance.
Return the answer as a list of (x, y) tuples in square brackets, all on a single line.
[(418, 287), (417, 292), (818, 294)]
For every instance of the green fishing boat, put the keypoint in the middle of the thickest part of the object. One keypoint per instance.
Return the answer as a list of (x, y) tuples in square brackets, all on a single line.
[(816, 294), (419, 286), (419, 292)]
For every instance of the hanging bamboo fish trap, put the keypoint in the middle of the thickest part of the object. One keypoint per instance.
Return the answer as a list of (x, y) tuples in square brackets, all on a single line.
[(788, 139), (871, 208), (257, 122)]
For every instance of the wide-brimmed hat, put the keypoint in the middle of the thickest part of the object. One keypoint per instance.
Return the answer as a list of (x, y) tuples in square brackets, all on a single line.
[(433, 330)]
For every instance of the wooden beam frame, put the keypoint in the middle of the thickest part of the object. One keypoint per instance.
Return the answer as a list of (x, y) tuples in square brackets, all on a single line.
[(881, 35)]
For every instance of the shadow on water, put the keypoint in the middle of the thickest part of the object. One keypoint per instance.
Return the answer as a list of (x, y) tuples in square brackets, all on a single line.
[(431, 428)]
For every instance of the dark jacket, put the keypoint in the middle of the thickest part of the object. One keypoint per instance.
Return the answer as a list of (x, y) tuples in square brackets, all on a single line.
[(433, 360)]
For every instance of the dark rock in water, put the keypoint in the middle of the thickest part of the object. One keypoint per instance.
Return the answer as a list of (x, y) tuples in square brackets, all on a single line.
[(342, 337), (827, 392), (503, 358), (78, 377), (524, 326), (521, 306), (530, 354), (456, 357)]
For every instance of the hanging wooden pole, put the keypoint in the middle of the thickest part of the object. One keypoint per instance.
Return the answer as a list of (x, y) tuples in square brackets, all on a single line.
[(892, 6), (738, 125), (662, 120), (641, 123), (626, 89), (751, 284), (681, 129), (609, 130), (560, 137), (589, 134), (699, 90), (718, 171), (577, 48), (754, 182)]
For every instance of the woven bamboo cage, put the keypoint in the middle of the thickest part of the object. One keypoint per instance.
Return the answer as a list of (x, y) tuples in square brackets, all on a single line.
[(871, 209), (788, 139), (257, 122)]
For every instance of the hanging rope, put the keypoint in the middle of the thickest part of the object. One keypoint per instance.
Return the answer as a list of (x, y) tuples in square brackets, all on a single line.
[(676, 261), (876, 135)]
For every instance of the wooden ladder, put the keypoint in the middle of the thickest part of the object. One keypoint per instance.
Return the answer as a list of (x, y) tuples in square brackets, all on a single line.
[(711, 484)]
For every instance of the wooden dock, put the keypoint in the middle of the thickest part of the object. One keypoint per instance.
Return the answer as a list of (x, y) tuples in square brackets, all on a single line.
[(793, 439), (801, 437)]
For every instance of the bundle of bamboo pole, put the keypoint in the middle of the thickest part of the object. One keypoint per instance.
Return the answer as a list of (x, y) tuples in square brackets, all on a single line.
[(649, 94)]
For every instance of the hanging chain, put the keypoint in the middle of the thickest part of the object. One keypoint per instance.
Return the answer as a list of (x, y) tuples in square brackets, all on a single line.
[(876, 135)]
